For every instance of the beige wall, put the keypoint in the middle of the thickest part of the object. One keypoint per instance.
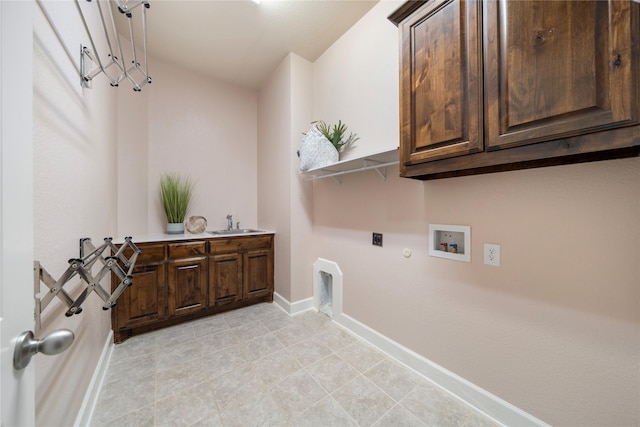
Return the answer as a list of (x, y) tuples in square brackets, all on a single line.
[(208, 130), (301, 192), (274, 193), (355, 81), (195, 126), (74, 197), (556, 329), (133, 161), (284, 201)]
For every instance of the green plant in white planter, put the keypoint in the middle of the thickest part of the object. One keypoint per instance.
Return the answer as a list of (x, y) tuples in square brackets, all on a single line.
[(177, 193), (337, 135)]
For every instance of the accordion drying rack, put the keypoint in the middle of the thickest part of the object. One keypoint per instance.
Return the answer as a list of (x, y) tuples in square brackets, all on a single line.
[(82, 267)]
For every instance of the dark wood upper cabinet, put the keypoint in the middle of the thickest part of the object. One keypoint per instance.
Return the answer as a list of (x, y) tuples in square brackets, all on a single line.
[(555, 69), (498, 85), (441, 107)]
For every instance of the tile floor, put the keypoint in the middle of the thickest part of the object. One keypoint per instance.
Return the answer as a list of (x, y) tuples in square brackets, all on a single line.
[(258, 366)]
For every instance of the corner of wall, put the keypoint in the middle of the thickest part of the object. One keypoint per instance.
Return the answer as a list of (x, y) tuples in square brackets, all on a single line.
[(301, 192)]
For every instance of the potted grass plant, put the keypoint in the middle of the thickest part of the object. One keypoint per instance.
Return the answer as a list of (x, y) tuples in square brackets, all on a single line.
[(337, 135), (177, 193)]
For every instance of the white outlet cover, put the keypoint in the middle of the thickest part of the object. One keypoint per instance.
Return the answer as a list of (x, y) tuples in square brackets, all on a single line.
[(492, 254)]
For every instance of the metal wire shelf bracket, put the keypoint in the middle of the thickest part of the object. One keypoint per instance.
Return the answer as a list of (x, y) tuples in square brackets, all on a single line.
[(82, 267), (376, 161), (380, 168), (116, 59)]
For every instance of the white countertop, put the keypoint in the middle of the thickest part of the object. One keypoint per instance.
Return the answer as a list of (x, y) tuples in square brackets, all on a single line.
[(163, 237)]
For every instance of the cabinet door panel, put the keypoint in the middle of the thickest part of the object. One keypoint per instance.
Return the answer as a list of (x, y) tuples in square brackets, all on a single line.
[(257, 273), (441, 82), (144, 301), (187, 285), (225, 279), (555, 69)]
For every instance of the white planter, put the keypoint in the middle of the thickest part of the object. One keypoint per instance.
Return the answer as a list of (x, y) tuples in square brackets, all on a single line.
[(175, 228), (316, 151)]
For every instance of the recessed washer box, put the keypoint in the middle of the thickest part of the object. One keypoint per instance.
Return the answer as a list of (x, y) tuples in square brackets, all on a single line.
[(450, 241)]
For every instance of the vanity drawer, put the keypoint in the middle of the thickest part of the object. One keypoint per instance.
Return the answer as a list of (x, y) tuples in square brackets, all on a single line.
[(149, 253), (236, 244), (186, 249)]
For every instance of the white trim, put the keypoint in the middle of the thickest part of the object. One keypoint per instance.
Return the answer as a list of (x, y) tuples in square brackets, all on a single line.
[(293, 308), (492, 406), (93, 391)]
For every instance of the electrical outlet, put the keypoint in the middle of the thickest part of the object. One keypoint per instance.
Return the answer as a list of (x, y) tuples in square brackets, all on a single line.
[(376, 239), (492, 254)]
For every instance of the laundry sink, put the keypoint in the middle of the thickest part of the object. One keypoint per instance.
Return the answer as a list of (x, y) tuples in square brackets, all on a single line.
[(234, 232)]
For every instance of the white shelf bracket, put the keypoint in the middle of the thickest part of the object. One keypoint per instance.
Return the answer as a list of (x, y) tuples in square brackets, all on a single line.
[(379, 162), (382, 170)]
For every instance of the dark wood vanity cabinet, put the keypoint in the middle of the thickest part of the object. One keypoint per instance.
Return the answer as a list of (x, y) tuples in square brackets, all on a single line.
[(182, 280), (240, 268), (225, 278), (186, 277), (257, 273), (146, 302), (499, 85)]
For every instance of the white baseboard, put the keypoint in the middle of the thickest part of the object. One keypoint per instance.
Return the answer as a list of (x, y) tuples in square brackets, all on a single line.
[(93, 391), (293, 308), (501, 411)]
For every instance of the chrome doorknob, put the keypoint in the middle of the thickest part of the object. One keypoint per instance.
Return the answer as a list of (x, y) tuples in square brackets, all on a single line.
[(26, 346)]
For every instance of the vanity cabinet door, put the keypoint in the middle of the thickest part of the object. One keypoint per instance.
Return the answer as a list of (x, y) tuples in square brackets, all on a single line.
[(556, 69), (258, 273), (144, 302), (187, 283), (225, 279)]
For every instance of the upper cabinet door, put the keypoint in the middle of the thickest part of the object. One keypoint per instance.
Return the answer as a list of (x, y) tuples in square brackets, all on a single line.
[(441, 82), (555, 69)]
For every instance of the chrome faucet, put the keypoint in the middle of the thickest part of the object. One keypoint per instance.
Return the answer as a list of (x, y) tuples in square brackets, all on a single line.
[(229, 222)]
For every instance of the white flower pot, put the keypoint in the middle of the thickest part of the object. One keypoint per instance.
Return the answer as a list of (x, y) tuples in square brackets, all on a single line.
[(175, 228)]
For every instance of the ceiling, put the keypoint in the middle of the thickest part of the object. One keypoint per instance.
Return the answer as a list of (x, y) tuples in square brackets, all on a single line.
[(240, 41)]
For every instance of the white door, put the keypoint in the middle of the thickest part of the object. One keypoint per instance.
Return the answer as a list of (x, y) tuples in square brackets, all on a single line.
[(17, 391)]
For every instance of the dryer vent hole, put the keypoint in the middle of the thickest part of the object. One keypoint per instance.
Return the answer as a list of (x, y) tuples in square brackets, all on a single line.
[(326, 294)]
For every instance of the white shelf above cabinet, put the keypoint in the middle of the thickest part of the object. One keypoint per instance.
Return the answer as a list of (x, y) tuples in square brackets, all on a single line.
[(376, 161)]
